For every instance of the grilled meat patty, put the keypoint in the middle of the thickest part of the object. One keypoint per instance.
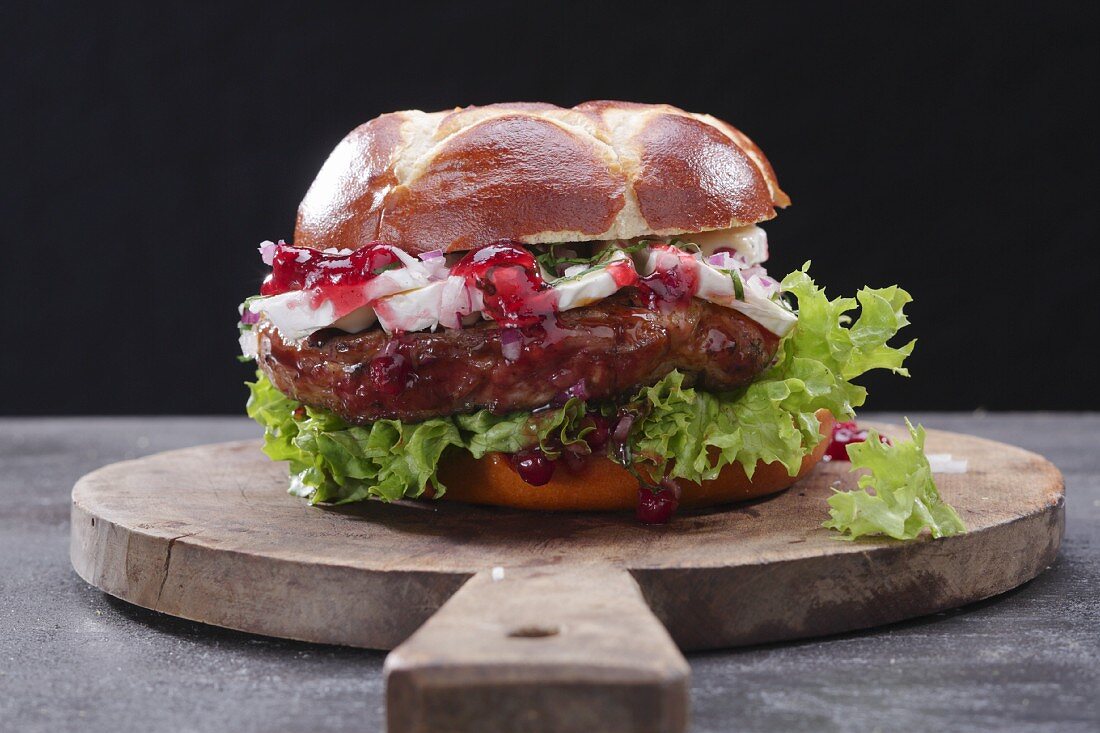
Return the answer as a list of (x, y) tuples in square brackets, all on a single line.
[(602, 351)]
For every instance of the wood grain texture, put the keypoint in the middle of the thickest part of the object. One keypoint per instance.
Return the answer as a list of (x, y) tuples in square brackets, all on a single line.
[(536, 649), (566, 642), (209, 534)]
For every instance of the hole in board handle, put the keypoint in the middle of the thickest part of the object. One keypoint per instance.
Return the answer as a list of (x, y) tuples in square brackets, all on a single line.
[(533, 632)]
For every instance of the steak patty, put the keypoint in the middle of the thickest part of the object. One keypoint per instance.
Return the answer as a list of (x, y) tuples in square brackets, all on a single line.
[(602, 351)]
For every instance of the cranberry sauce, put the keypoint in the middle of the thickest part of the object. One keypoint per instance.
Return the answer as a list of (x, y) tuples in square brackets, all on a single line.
[(623, 272), (657, 505), (533, 466), (505, 273), (391, 374), (674, 280), (511, 284), (329, 275), (844, 434), (599, 430), (537, 468)]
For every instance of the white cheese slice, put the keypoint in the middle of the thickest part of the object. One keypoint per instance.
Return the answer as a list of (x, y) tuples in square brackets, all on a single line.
[(582, 287), (459, 304), (358, 320), (750, 242), (757, 303), (716, 286), (450, 303), (294, 314), (412, 310), (249, 341)]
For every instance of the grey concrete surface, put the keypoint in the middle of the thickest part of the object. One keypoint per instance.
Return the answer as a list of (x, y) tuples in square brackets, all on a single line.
[(72, 658)]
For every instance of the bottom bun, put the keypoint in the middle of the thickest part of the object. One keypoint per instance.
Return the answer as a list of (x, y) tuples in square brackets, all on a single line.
[(603, 485)]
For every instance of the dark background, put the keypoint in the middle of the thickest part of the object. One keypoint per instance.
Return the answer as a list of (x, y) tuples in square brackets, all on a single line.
[(149, 149)]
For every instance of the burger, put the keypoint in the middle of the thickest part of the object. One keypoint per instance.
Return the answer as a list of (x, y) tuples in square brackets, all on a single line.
[(545, 308)]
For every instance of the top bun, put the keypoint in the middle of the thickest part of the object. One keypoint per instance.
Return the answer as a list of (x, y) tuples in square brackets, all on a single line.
[(536, 173)]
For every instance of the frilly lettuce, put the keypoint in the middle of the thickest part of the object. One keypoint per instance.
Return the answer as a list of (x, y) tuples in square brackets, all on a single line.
[(678, 431), (693, 434), (332, 461), (906, 500)]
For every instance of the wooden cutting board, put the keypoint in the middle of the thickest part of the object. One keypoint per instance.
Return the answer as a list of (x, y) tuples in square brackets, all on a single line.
[(503, 620)]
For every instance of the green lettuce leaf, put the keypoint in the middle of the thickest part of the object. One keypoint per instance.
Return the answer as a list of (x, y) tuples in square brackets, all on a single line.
[(488, 433), (693, 434), (332, 461), (905, 502)]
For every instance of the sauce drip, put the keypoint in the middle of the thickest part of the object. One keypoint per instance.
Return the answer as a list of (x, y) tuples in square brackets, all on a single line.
[(390, 374), (623, 273), (513, 291), (674, 280)]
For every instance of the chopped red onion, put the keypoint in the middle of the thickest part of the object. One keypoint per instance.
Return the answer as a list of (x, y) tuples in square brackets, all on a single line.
[(578, 390), (511, 343), (754, 271), (267, 251), (727, 259), (622, 429), (248, 317), (433, 255)]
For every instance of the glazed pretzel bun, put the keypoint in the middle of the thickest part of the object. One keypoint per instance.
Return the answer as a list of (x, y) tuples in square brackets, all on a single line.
[(536, 173), (602, 485)]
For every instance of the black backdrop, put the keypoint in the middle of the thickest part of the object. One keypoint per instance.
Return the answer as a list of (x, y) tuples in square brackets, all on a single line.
[(149, 149)]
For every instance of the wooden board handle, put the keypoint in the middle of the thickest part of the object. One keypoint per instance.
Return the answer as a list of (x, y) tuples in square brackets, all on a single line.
[(555, 648)]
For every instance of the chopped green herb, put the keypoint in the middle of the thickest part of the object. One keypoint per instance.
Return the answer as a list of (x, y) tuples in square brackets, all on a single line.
[(738, 286)]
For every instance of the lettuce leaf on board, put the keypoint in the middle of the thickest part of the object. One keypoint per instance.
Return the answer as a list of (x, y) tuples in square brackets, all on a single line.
[(906, 500)]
